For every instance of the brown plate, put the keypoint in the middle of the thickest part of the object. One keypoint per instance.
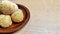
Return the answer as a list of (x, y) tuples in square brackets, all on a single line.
[(15, 27)]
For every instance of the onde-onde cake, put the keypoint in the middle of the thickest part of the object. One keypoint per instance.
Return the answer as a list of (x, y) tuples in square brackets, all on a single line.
[(8, 7), (17, 16), (5, 21)]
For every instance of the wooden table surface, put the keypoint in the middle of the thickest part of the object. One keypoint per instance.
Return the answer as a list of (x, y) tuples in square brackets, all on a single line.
[(45, 17)]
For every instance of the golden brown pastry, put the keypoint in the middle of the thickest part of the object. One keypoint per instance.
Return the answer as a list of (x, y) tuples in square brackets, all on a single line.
[(8, 7), (5, 20), (17, 16)]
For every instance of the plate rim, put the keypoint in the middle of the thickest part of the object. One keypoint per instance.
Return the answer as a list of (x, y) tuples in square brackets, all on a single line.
[(25, 22)]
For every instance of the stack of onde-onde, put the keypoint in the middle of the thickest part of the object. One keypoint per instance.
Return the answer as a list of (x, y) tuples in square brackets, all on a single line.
[(10, 12)]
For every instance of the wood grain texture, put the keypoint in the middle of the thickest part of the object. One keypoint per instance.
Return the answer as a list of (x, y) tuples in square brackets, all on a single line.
[(45, 17)]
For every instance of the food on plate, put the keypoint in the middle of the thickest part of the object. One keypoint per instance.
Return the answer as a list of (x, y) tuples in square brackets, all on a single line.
[(10, 13), (17, 16), (8, 7), (5, 21)]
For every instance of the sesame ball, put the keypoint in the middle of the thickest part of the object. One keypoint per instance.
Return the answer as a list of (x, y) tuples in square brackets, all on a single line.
[(8, 7), (17, 16), (5, 21)]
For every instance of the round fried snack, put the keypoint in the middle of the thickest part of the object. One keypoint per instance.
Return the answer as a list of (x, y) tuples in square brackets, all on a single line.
[(5, 21), (7, 7), (17, 16)]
